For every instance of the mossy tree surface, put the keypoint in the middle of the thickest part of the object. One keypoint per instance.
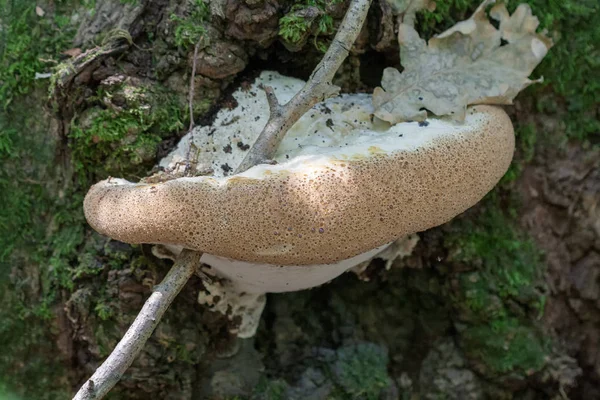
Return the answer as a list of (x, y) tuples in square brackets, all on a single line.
[(36, 228), (480, 282), (43, 246)]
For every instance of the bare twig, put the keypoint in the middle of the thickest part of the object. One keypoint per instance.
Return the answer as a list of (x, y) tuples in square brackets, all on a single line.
[(111, 370), (318, 88), (191, 107), (191, 94)]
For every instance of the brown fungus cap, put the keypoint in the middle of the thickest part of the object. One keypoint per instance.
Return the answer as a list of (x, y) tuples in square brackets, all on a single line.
[(321, 208)]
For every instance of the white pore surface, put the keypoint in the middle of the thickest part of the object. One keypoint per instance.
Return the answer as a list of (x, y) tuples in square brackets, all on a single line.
[(268, 278)]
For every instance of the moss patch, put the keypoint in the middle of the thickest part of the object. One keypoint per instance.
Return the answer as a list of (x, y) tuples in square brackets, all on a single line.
[(299, 23), (120, 133), (43, 247), (361, 371), (41, 227), (508, 263), (505, 346), (189, 29), (29, 44), (269, 390), (499, 296)]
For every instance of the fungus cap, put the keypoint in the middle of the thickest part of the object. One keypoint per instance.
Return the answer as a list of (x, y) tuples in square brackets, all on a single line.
[(342, 187)]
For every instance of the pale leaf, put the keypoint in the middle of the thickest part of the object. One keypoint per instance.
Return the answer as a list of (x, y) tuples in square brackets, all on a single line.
[(467, 64)]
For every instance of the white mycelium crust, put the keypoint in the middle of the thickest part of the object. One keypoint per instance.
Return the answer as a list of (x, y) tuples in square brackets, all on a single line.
[(343, 188), (261, 278), (269, 278)]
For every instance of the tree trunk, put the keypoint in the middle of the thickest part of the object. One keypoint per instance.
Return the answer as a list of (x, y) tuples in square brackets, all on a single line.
[(503, 302)]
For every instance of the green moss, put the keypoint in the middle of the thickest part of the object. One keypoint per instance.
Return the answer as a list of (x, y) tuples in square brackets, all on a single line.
[(41, 221), (526, 139), (508, 265), (28, 44), (506, 346), (122, 140), (355, 371), (5, 394), (293, 28), (268, 389), (446, 14), (361, 371), (571, 70), (44, 251), (190, 29), (499, 296)]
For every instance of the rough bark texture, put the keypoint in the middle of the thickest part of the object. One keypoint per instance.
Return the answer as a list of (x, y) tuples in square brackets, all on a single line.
[(503, 302), (134, 340)]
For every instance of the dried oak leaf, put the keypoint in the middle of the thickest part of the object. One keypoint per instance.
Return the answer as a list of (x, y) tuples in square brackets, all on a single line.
[(471, 63)]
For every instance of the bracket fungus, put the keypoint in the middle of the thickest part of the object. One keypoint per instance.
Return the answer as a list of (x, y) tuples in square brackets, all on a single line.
[(345, 185)]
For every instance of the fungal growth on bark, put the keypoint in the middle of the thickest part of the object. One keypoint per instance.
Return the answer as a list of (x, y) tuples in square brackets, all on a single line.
[(343, 188), (298, 184)]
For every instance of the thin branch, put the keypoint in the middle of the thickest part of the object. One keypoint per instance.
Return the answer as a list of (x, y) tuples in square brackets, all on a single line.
[(274, 106), (318, 88), (191, 106), (191, 93), (113, 368)]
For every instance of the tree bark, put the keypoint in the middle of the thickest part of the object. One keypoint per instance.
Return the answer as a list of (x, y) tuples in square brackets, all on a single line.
[(502, 301)]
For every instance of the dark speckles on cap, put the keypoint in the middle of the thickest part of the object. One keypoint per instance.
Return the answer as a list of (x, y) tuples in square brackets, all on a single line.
[(243, 146), (335, 212)]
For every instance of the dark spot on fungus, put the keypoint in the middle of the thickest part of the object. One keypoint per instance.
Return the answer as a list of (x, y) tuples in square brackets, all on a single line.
[(226, 168), (227, 149), (243, 146), (231, 121), (329, 124), (325, 109), (423, 123)]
